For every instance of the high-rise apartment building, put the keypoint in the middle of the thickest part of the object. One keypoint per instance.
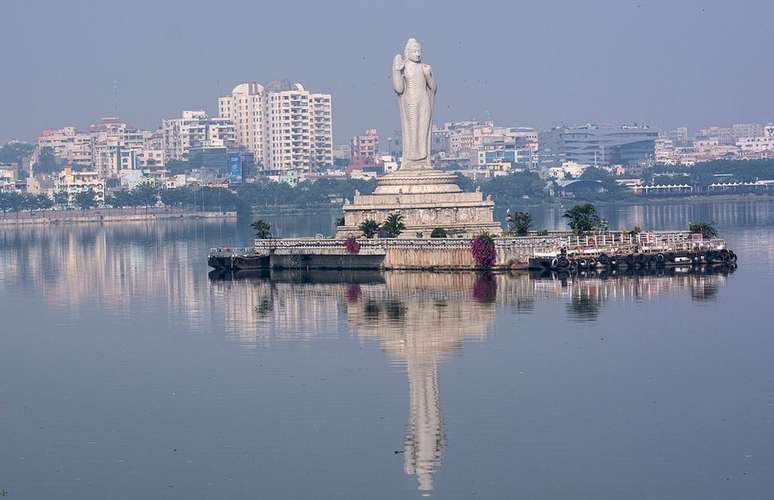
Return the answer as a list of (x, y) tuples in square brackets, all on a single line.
[(322, 130), (245, 107), (283, 124)]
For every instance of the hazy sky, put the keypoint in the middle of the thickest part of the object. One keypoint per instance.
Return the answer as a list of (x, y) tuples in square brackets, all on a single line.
[(664, 63)]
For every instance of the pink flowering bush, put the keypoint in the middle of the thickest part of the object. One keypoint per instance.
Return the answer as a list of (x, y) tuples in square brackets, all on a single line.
[(352, 245), (353, 293), (483, 250), (485, 288)]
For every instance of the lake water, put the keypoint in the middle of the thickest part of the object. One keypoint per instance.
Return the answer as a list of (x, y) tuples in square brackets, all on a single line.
[(127, 372)]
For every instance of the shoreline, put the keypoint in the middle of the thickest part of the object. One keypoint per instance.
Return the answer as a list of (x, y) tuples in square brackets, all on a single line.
[(112, 215), (695, 199), (291, 210), (656, 200), (108, 215)]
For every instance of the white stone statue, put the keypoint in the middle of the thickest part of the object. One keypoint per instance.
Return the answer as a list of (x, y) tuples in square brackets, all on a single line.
[(413, 82)]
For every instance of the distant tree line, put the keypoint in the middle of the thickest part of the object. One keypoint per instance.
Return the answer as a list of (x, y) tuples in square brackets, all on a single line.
[(17, 202), (15, 152), (143, 195), (319, 193)]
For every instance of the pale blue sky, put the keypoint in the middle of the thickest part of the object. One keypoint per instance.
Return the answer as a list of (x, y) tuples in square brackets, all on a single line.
[(665, 63)]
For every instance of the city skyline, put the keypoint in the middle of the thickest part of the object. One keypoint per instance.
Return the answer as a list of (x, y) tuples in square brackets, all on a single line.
[(623, 71)]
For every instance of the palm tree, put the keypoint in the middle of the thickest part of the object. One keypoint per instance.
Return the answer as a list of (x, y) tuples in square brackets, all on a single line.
[(583, 218), (439, 232), (393, 225), (519, 222), (369, 227), (262, 229)]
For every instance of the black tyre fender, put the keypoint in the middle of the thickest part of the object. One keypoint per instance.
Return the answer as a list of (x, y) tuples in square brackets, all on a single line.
[(562, 262), (603, 259), (660, 258)]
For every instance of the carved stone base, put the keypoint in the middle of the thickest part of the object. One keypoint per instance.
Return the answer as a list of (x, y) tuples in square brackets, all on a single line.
[(426, 198)]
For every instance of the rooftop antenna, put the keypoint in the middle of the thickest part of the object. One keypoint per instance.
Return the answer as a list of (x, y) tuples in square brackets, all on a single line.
[(115, 98)]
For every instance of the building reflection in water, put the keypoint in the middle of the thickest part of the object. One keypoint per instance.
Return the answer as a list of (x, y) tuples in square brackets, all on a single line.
[(419, 319), (422, 319)]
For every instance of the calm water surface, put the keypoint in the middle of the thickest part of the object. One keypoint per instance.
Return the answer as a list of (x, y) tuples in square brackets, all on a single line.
[(126, 371)]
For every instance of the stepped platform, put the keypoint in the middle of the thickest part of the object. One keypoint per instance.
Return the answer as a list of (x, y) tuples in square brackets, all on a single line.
[(426, 198)]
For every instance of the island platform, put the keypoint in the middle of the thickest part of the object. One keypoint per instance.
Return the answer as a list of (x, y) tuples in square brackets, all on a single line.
[(555, 251)]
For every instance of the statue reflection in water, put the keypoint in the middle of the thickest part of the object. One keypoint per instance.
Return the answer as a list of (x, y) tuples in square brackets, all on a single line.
[(422, 319), (419, 320)]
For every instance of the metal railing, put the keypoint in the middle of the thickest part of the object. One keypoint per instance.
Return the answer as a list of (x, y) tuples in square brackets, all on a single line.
[(231, 251), (614, 242)]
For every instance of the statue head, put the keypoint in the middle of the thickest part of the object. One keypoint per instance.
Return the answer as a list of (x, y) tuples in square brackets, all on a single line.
[(413, 50)]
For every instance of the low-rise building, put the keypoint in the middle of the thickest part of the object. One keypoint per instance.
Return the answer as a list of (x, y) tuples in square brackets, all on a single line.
[(757, 144), (567, 170), (661, 189), (365, 146), (7, 177), (71, 182), (499, 150)]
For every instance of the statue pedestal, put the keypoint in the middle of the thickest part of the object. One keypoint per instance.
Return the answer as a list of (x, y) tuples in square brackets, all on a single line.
[(427, 199)]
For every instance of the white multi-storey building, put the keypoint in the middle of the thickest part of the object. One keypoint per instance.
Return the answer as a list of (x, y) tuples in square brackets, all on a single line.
[(758, 144), (117, 147), (68, 144), (245, 107), (322, 130), (194, 129), (365, 146), (283, 124), (152, 155), (107, 157), (109, 147)]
